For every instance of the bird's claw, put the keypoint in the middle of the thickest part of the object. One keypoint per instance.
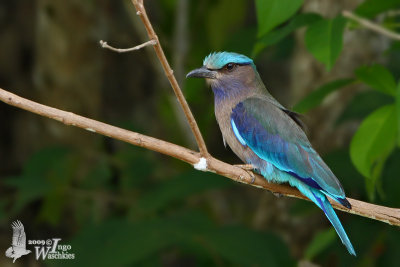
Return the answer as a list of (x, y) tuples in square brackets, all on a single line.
[(246, 167), (249, 169), (253, 177)]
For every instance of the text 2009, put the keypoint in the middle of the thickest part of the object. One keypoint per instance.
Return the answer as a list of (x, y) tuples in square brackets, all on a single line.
[(36, 242)]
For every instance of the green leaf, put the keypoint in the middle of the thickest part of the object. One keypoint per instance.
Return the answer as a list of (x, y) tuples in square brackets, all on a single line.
[(320, 242), (273, 12), (373, 142), (378, 78), (324, 40), (317, 96), (375, 180), (371, 8), (277, 35), (398, 112)]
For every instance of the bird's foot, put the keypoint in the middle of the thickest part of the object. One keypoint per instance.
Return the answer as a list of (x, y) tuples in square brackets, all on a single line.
[(249, 169), (277, 194), (246, 167)]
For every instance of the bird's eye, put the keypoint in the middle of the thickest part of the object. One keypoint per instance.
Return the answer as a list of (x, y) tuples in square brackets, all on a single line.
[(230, 66)]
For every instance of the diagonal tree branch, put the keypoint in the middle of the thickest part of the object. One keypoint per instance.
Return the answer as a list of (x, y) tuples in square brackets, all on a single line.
[(380, 213), (370, 25), (141, 12)]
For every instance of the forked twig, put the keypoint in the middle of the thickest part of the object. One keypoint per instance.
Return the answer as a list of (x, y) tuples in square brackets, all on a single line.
[(124, 50), (141, 12)]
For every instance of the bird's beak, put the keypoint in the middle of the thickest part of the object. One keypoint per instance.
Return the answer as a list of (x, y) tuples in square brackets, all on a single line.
[(202, 72)]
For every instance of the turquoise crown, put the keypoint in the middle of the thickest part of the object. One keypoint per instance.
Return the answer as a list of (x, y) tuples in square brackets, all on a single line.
[(217, 60)]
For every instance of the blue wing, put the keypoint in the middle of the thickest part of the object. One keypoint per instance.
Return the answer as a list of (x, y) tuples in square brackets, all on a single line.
[(276, 138)]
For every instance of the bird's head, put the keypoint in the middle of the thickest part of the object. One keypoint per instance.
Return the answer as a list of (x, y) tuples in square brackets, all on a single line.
[(226, 72)]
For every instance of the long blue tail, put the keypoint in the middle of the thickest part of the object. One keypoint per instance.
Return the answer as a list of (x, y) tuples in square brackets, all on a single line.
[(322, 202), (319, 198)]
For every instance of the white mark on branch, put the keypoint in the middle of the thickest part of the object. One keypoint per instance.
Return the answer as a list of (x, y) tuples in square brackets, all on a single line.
[(381, 213), (201, 165), (90, 130), (123, 50)]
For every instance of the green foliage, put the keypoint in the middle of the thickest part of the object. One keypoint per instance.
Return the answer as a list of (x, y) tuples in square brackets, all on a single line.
[(126, 242), (363, 104), (46, 175), (99, 175), (135, 167), (277, 35), (371, 8), (178, 188), (317, 96), (372, 143), (398, 112), (219, 25), (247, 247), (391, 185), (273, 12), (154, 218), (324, 40), (124, 206), (378, 78), (376, 137), (320, 242)]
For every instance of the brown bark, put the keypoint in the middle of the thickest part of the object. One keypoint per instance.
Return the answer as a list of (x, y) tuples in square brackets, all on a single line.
[(376, 212)]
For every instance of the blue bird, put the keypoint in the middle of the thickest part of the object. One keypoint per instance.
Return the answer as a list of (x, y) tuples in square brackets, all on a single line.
[(263, 133)]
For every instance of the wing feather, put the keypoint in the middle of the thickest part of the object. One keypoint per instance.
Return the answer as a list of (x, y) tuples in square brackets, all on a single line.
[(275, 137)]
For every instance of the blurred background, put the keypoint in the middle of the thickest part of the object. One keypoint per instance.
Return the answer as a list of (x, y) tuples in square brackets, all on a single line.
[(117, 204)]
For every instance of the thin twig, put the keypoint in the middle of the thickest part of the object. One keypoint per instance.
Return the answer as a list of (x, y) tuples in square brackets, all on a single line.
[(380, 213), (124, 50), (160, 80), (370, 25), (141, 12)]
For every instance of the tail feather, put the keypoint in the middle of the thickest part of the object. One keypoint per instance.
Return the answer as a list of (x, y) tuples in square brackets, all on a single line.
[(344, 202), (324, 204), (319, 198)]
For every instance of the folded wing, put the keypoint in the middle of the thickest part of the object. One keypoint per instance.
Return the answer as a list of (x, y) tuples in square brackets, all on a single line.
[(275, 137)]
